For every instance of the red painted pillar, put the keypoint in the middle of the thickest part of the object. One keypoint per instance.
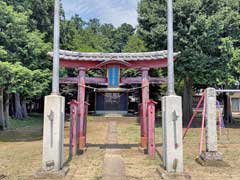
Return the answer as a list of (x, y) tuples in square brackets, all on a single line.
[(141, 119), (85, 123), (145, 99), (151, 127), (81, 100), (73, 127)]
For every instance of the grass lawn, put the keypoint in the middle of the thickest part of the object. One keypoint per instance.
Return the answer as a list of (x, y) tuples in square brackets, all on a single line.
[(23, 130), (21, 152)]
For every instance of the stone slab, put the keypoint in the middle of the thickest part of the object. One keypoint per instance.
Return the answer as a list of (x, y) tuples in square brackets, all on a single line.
[(212, 160), (172, 175), (113, 166), (42, 174)]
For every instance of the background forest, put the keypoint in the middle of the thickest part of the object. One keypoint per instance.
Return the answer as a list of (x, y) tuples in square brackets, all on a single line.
[(206, 32)]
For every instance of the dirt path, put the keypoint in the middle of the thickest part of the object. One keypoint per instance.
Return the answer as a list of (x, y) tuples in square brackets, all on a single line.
[(113, 166)]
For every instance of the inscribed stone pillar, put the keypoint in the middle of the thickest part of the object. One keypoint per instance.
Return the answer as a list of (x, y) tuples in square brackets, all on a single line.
[(145, 99), (172, 133), (81, 100), (53, 133), (211, 152), (211, 121)]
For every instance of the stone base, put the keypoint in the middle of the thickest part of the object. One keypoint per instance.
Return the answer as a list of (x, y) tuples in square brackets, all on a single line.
[(82, 142), (172, 175), (211, 159), (142, 150), (211, 156), (82, 151), (42, 174)]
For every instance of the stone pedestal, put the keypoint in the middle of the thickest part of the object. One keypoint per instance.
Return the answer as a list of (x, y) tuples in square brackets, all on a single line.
[(53, 133), (211, 153), (172, 133)]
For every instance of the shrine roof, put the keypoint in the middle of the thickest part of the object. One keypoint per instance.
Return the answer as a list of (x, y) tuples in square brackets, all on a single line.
[(94, 56)]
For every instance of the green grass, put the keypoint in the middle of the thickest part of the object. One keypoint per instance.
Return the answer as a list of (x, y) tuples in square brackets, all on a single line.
[(23, 130), (33, 120)]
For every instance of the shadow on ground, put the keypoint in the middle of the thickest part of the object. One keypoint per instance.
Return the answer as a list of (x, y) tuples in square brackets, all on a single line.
[(21, 135)]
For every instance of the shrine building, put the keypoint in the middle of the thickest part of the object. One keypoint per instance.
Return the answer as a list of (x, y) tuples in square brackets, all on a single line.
[(112, 97)]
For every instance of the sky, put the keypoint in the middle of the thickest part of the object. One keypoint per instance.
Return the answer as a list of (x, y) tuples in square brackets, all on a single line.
[(115, 12)]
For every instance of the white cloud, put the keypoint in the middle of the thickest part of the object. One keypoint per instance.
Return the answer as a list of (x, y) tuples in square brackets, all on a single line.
[(108, 11)]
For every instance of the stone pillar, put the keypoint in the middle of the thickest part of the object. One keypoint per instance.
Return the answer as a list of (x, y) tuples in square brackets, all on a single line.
[(73, 127), (172, 133), (211, 127), (145, 99), (53, 133), (81, 101), (151, 128)]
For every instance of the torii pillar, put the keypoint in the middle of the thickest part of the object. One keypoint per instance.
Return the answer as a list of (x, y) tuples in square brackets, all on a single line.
[(81, 100), (145, 99)]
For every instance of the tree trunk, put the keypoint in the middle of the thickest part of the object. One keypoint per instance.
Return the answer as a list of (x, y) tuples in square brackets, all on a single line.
[(187, 100), (18, 107), (24, 109), (12, 102), (2, 119), (6, 108)]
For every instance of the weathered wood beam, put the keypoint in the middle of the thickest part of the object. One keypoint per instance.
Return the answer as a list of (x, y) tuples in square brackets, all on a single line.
[(158, 80), (103, 80), (88, 80), (138, 80), (160, 63), (69, 80)]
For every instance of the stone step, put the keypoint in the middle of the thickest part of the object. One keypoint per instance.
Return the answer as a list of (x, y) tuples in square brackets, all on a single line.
[(104, 118)]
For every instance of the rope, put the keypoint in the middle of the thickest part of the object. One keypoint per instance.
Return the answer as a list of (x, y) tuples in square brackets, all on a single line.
[(95, 89)]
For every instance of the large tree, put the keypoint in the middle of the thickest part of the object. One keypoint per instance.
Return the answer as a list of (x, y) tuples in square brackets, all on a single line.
[(200, 27), (20, 43)]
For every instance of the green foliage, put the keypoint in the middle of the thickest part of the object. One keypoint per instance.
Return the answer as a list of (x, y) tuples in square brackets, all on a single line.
[(200, 27), (134, 44), (18, 78), (121, 37)]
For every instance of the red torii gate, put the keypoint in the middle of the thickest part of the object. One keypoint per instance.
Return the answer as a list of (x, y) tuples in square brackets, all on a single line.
[(84, 61)]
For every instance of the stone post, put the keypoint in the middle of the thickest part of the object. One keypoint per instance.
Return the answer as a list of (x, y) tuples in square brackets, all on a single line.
[(145, 99), (73, 127), (53, 133), (151, 127), (172, 133), (211, 127), (81, 100)]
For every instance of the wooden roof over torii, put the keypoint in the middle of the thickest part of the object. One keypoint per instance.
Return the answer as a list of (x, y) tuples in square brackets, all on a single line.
[(157, 59)]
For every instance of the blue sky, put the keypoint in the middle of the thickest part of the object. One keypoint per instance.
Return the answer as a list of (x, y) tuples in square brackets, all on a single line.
[(108, 11)]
